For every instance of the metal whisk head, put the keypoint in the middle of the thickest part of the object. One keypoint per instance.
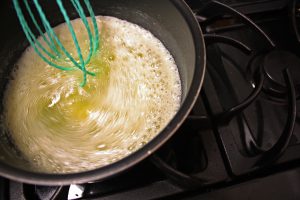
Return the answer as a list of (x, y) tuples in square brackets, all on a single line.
[(57, 50)]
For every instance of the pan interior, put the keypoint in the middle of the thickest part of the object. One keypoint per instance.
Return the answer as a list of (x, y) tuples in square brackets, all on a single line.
[(169, 27)]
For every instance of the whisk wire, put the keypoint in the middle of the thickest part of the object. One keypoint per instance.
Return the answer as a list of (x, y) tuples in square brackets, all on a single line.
[(50, 30), (85, 22), (92, 15), (52, 39), (32, 39), (76, 43), (50, 43)]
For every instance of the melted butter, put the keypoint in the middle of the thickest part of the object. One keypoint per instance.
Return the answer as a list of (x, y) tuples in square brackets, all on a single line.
[(61, 127)]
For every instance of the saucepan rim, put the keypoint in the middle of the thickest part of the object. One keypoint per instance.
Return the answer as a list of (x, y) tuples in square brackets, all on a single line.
[(132, 159)]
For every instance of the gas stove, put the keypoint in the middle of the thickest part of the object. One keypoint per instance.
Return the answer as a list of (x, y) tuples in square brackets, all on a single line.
[(242, 138)]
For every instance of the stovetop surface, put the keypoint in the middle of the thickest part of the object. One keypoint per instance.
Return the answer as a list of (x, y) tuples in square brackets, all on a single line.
[(242, 136)]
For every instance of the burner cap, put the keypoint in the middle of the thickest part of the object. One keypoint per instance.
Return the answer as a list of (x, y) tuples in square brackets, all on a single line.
[(276, 61)]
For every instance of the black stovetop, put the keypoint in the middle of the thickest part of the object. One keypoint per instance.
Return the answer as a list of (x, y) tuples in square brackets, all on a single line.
[(242, 136)]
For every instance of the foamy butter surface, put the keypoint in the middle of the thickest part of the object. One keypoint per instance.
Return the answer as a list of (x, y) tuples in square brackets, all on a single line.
[(61, 127)]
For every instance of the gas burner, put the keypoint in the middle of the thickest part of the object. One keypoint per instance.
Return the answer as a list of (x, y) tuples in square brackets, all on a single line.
[(245, 148), (220, 70), (274, 64)]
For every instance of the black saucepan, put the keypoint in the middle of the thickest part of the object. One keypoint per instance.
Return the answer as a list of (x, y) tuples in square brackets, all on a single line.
[(171, 21)]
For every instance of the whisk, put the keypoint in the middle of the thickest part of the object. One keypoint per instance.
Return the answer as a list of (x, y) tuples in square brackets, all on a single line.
[(56, 50)]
